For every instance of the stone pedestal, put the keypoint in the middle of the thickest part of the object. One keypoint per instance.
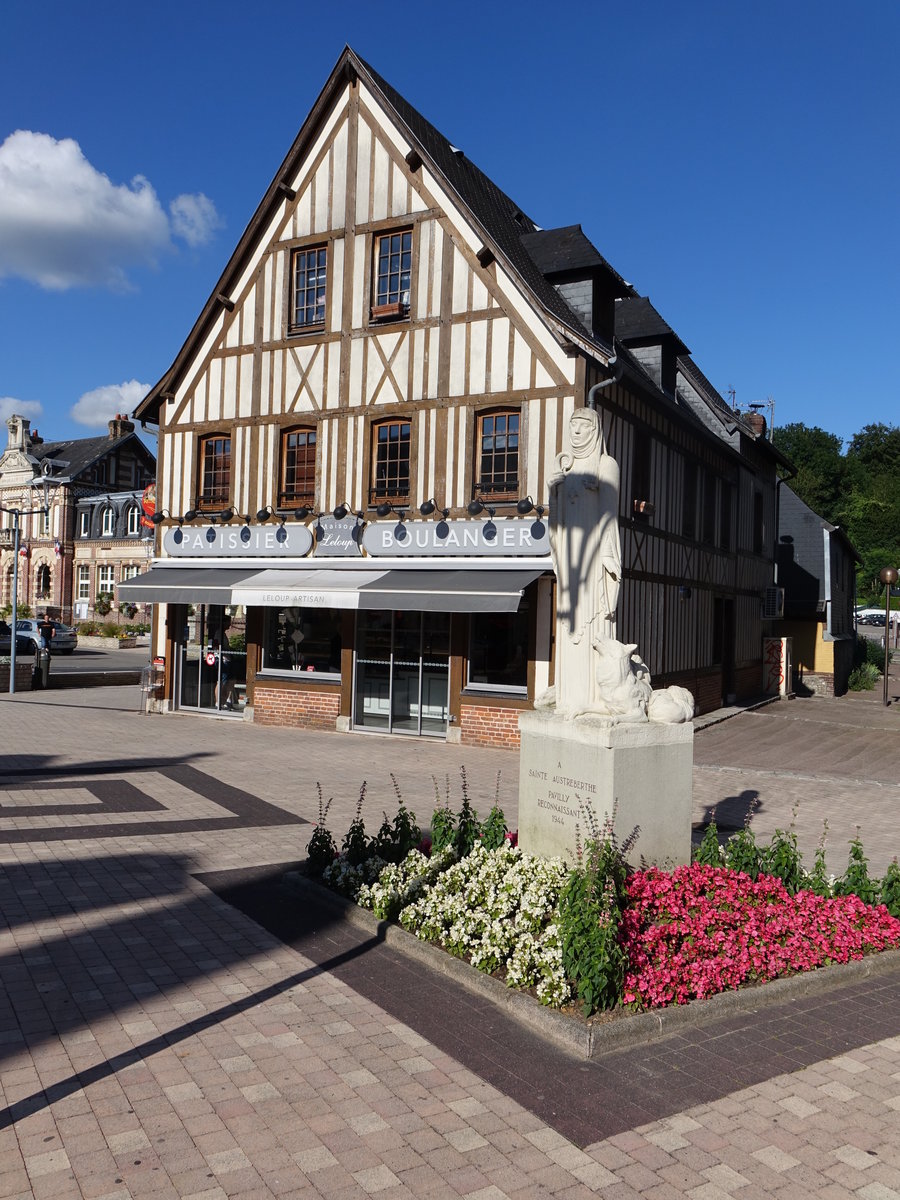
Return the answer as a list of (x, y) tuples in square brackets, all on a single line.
[(644, 768)]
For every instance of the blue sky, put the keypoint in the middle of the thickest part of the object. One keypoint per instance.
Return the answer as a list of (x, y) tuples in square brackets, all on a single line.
[(736, 163)]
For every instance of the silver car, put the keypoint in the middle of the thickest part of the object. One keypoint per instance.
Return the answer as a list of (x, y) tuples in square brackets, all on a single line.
[(64, 639)]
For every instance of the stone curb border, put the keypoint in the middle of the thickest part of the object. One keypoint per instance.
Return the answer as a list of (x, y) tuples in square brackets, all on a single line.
[(582, 1038)]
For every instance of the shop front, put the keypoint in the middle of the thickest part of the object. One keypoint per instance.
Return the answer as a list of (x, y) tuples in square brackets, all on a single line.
[(441, 633)]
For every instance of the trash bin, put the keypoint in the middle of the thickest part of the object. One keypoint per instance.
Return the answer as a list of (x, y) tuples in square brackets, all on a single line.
[(40, 676)]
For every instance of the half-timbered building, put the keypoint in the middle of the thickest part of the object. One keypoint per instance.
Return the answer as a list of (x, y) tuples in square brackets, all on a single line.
[(356, 439)]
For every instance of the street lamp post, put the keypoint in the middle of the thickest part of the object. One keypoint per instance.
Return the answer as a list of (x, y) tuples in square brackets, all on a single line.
[(16, 514), (888, 576)]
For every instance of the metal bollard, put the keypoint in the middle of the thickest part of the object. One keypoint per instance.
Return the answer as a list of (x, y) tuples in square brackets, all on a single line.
[(43, 657)]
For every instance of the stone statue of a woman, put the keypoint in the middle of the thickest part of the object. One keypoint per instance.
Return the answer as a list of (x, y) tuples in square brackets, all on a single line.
[(587, 558)]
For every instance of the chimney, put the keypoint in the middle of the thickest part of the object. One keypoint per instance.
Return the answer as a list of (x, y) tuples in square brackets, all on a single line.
[(757, 423), (19, 433), (119, 426), (35, 440)]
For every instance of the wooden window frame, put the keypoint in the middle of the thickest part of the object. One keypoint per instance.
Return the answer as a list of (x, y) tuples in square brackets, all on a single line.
[(212, 498), (295, 497), (488, 486), (391, 302), (381, 491), (310, 315)]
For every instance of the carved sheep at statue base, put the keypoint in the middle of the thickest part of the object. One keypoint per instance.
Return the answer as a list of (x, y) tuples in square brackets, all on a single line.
[(625, 692)]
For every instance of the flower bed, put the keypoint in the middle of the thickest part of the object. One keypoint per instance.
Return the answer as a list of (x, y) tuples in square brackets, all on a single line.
[(616, 940)]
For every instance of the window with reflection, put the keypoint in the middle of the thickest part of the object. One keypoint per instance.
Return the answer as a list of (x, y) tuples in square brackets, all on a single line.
[(390, 461), (498, 456), (215, 472), (498, 651), (303, 641), (308, 279), (298, 468)]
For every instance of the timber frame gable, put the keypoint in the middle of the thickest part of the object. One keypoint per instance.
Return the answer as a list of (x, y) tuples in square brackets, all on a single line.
[(481, 329)]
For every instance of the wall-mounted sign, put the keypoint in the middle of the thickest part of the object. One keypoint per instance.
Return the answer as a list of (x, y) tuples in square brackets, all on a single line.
[(500, 538), (237, 541), (335, 537)]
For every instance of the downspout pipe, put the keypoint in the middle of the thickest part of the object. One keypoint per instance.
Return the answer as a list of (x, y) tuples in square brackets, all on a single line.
[(605, 383)]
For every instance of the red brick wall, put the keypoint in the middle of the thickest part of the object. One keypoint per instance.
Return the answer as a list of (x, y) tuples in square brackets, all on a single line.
[(314, 709), (486, 725)]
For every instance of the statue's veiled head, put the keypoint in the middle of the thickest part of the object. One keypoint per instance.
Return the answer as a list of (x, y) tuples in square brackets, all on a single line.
[(584, 432)]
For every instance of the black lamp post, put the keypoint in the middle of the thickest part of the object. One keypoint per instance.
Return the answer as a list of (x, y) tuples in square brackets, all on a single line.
[(888, 576), (16, 514)]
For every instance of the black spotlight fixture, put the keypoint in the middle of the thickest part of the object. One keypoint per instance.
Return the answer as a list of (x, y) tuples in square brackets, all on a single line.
[(384, 509), (191, 514), (431, 506), (265, 513), (300, 514), (524, 506), (159, 517), (474, 508), (226, 514)]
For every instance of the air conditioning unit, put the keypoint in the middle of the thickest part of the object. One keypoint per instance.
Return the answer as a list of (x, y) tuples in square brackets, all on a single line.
[(773, 603)]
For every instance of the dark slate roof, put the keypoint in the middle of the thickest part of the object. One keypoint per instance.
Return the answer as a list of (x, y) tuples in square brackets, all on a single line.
[(636, 319), (79, 453), (714, 399), (502, 220), (558, 251)]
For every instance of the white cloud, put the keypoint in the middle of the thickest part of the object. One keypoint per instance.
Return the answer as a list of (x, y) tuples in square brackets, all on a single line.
[(10, 407), (194, 218), (64, 224), (97, 407)]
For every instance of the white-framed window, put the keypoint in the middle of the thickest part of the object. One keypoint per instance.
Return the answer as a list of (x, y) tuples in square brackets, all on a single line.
[(109, 522), (84, 583), (134, 521), (84, 528), (45, 524), (106, 579), (128, 571)]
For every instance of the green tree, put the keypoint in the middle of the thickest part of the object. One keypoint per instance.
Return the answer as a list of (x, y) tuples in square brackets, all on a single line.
[(821, 467)]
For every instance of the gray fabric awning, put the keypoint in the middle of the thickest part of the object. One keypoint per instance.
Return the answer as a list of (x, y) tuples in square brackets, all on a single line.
[(437, 591), (182, 585), (447, 591), (411, 590)]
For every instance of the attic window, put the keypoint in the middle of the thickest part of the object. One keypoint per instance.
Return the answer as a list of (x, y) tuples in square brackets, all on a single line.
[(109, 522), (393, 269)]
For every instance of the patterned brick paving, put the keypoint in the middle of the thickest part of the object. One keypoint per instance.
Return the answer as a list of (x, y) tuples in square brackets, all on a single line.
[(156, 1041)]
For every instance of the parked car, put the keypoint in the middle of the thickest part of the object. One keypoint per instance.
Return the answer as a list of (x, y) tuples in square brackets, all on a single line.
[(870, 616), (24, 645), (64, 639)]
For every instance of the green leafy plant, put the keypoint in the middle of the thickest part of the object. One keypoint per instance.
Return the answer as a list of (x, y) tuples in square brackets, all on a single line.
[(103, 603), (782, 859), (443, 821), (590, 909), (467, 827), (321, 850), (741, 850), (709, 852), (863, 678), (856, 881), (493, 831), (818, 880), (890, 889), (355, 846)]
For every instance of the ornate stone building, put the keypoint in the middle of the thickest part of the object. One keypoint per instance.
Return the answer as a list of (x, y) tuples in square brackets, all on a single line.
[(77, 470)]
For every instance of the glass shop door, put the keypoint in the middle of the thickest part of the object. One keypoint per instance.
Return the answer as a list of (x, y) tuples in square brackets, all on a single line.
[(402, 673), (212, 675)]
